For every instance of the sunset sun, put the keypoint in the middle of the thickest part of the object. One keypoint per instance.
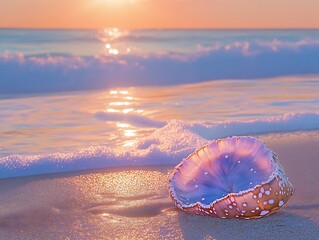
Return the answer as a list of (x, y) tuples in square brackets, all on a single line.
[(117, 2)]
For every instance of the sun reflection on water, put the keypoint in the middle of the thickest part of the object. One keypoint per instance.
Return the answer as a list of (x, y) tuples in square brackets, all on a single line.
[(128, 110), (109, 37), (111, 110), (124, 106), (123, 125), (119, 103), (114, 51), (130, 133), (115, 92), (129, 143)]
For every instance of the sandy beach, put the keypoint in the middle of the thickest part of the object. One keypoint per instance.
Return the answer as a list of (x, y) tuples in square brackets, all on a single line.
[(133, 203)]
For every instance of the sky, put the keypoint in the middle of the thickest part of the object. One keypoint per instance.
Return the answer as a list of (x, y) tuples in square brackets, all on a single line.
[(141, 14)]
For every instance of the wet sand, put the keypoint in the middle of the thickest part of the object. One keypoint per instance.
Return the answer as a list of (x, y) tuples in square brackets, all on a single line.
[(133, 203)]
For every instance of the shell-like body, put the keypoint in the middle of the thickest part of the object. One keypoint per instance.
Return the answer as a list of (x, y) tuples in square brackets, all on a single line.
[(236, 177)]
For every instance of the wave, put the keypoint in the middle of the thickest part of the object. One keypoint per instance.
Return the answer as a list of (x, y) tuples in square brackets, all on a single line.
[(21, 74), (166, 145)]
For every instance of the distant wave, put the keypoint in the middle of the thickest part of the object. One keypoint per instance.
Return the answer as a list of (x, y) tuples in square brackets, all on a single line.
[(166, 145), (238, 60)]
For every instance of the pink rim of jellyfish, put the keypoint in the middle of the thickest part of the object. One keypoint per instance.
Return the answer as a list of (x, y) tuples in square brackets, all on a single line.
[(237, 177)]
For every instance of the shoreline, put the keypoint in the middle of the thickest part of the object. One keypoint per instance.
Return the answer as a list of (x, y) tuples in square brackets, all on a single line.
[(133, 203)]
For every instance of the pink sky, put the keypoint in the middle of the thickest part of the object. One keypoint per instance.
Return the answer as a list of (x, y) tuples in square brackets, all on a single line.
[(159, 13)]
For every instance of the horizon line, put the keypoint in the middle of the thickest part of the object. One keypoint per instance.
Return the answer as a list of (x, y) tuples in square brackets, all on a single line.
[(155, 28)]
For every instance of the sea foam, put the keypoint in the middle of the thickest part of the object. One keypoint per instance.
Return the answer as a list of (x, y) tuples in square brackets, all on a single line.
[(168, 144)]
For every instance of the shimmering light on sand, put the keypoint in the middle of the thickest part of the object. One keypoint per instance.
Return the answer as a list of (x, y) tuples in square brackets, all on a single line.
[(108, 46), (129, 98)]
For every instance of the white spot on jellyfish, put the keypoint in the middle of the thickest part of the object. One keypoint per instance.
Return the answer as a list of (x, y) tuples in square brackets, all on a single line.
[(271, 201), (226, 210), (264, 212), (262, 190), (203, 199), (206, 173), (244, 204), (254, 196), (196, 186), (232, 199), (254, 171), (257, 208), (251, 169), (267, 192), (252, 211), (260, 195), (238, 161), (250, 183), (281, 203), (230, 206), (265, 203), (226, 156), (243, 211)]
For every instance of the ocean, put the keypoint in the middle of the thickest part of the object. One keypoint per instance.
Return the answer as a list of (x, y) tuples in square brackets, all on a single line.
[(85, 99)]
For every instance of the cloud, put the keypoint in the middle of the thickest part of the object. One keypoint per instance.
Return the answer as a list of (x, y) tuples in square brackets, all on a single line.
[(238, 60)]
